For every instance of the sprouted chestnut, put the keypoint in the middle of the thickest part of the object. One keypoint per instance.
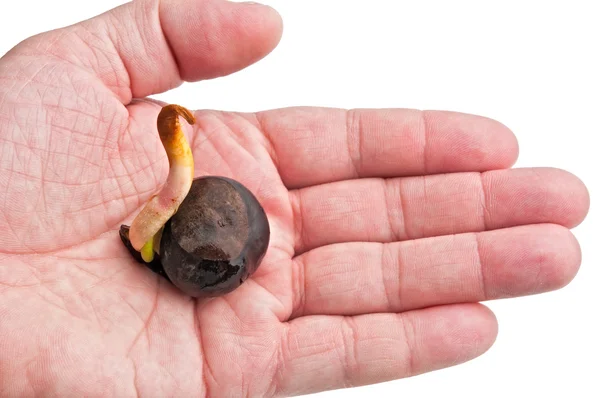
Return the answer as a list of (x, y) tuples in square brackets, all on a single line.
[(205, 235)]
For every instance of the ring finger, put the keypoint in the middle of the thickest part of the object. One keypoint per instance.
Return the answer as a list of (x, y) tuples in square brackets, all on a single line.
[(361, 278)]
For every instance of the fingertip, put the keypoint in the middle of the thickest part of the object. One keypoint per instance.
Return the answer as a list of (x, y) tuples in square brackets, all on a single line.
[(535, 195), (526, 260), (501, 141), (268, 25), (489, 322), (573, 259), (265, 19), (511, 145), (465, 142), (271, 16), (214, 38), (561, 259), (479, 325), (569, 191), (580, 196), (451, 334)]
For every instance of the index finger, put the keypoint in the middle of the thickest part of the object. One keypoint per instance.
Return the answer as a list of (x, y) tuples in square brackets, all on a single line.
[(318, 145)]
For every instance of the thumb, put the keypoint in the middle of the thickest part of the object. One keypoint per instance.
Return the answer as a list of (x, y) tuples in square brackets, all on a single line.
[(147, 47)]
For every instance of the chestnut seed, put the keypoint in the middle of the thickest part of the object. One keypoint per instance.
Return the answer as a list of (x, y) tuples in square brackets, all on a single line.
[(216, 239), (206, 235)]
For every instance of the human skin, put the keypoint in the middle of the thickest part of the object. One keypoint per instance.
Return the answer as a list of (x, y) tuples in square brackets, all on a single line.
[(388, 227)]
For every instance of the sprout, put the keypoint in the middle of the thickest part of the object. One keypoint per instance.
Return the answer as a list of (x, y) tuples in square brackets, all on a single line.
[(146, 227)]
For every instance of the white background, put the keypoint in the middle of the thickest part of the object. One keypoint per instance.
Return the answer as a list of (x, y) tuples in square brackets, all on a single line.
[(533, 65)]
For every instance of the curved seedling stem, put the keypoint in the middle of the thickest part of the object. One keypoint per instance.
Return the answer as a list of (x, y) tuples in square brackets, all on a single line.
[(163, 205)]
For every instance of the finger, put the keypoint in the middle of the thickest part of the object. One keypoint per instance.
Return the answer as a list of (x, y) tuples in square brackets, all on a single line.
[(316, 145), (355, 278), (417, 207), (323, 353), (149, 46)]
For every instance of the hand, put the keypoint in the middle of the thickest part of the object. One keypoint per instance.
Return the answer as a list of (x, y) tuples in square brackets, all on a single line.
[(387, 226)]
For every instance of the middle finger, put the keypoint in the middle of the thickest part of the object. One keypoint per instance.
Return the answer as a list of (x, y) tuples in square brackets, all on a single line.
[(387, 210)]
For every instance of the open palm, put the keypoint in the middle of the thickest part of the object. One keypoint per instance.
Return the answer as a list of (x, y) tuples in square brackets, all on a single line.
[(387, 226)]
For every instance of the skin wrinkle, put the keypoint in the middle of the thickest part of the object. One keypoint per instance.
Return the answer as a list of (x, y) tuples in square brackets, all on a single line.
[(99, 282), (122, 150), (145, 327), (29, 79), (173, 378), (207, 372), (52, 303), (8, 184), (273, 296), (16, 235), (348, 356), (258, 354), (24, 281), (170, 52), (29, 375), (204, 365), (54, 290), (15, 80), (18, 286), (203, 137), (425, 195), (159, 34), (104, 202), (100, 50), (44, 171), (354, 134), (544, 202), (135, 379), (485, 215), (299, 287), (323, 348), (246, 133), (123, 85), (424, 127), (4, 93), (280, 368), (86, 271), (384, 258), (224, 135), (402, 211), (393, 230), (84, 33), (270, 388), (120, 189), (539, 261), (295, 199), (91, 305), (409, 342), (270, 147)]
